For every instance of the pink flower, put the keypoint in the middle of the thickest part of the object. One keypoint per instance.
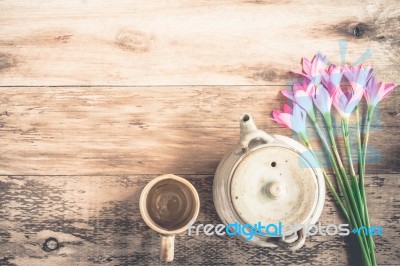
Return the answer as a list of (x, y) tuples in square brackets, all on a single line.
[(332, 77), (314, 69), (304, 100), (375, 91), (357, 76), (302, 95), (304, 86), (294, 119), (345, 101), (323, 99)]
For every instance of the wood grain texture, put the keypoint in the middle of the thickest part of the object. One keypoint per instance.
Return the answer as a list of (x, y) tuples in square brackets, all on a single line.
[(188, 42), (139, 130), (99, 97), (96, 220)]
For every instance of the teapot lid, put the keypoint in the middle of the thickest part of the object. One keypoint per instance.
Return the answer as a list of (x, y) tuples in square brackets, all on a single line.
[(274, 183)]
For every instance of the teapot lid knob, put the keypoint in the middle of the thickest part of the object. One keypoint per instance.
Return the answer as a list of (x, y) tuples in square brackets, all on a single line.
[(274, 190)]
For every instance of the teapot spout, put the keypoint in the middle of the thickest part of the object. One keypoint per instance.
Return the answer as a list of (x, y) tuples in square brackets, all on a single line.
[(249, 132), (247, 125)]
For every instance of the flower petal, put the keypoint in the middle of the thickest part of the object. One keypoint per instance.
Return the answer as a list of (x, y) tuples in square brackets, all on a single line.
[(304, 100), (287, 109), (354, 100), (306, 65), (275, 115), (286, 120), (288, 94), (298, 119), (322, 99), (388, 88), (340, 101)]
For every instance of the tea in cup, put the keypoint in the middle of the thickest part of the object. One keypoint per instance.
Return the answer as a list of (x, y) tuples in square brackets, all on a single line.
[(168, 205)]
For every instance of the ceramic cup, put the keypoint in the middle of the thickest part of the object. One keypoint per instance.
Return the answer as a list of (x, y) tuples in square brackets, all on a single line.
[(168, 205)]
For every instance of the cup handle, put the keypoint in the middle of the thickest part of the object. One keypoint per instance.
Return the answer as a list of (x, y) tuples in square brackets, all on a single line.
[(167, 248)]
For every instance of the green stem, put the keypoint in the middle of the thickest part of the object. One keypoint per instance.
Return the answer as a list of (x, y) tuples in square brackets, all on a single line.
[(346, 190), (328, 182), (340, 170), (348, 195), (362, 175), (366, 137), (360, 184), (361, 171), (345, 129), (360, 155)]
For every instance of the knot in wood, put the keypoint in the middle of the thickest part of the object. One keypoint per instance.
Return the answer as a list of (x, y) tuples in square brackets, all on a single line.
[(51, 244)]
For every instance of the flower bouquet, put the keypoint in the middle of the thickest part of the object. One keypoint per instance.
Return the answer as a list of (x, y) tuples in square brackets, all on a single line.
[(322, 86)]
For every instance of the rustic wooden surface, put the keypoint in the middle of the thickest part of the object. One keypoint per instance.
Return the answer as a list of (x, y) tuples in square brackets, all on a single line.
[(108, 229), (96, 99)]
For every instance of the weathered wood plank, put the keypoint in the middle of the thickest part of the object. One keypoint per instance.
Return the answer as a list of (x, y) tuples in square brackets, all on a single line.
[(96, 220), (63, 131), (188, 43)]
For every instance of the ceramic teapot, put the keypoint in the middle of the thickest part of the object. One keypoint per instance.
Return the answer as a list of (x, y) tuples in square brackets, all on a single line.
[(269, 180)]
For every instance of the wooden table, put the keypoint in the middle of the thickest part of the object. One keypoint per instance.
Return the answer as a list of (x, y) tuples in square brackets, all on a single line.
[(96, 99)]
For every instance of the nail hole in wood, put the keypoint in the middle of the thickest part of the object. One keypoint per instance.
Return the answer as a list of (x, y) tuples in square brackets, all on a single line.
[(273, 164), (51, 244)]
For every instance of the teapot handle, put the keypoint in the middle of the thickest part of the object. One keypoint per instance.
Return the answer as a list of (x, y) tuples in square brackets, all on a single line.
[(258, 134), (297, 243)]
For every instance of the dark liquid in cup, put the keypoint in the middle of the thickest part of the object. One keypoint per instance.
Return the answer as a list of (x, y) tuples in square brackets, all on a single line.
[(170, 204)]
